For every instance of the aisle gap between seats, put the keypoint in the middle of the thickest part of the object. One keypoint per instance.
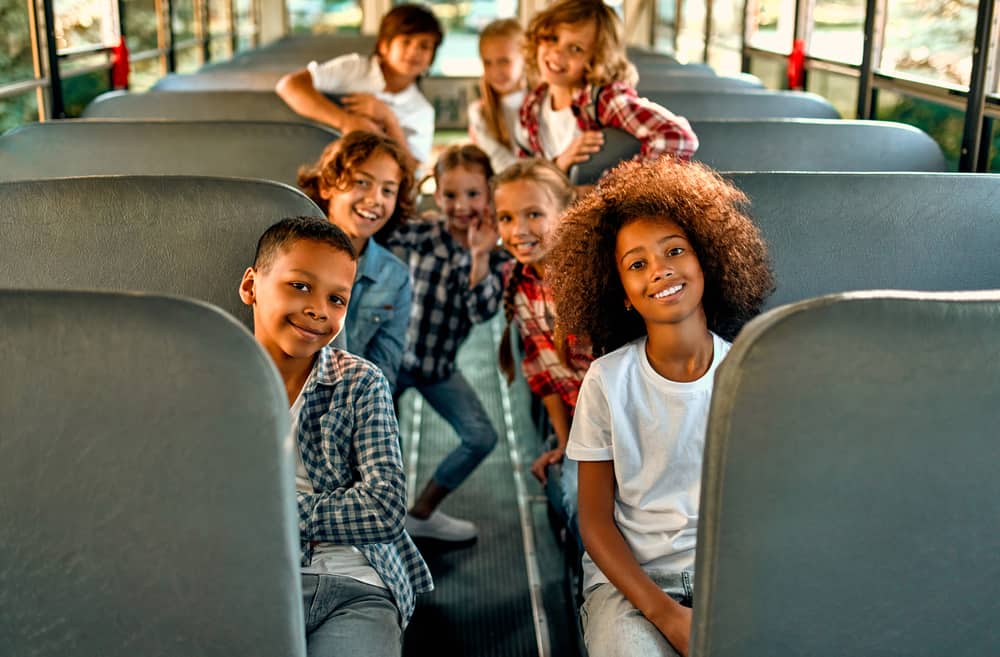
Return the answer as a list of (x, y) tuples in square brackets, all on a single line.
[(539, 618)]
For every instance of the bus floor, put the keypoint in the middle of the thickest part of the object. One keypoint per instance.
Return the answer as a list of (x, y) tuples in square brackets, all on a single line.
[(484, 603)]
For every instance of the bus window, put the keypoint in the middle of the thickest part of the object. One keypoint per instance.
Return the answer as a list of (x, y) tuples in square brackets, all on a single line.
[(838, 31), (930, 39)]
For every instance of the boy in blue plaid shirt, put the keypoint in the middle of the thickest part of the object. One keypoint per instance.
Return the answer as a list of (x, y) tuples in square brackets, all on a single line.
[(360, 570)]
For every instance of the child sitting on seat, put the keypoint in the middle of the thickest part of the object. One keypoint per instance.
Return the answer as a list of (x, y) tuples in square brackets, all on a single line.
[(360, 571), (381, 91), (529, 197), (658, 267), (494, 124), (364, 184), (456, 284), (576, 57)]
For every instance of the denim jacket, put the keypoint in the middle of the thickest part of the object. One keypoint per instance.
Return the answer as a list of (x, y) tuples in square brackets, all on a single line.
[(379, 311)]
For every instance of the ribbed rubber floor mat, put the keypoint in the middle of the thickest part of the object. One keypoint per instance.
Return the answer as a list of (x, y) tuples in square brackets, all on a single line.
[(481, 604)]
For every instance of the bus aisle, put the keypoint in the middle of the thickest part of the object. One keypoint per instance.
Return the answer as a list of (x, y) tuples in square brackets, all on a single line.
[(483, 603)]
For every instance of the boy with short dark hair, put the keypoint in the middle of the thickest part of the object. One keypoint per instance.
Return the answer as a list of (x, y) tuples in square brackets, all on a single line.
[(378, 93), (360, 570)]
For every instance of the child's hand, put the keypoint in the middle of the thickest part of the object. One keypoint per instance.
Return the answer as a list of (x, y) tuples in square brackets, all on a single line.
[(541, 464), (367, 105), (357, 122), (580, 149), (483, 234), (674, 624)]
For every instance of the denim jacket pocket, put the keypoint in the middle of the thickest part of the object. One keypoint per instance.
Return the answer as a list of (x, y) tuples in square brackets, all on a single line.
[(370, 320)]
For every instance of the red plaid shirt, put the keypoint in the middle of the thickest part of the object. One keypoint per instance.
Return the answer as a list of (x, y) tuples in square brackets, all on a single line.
[(615, 105), (534, 308)]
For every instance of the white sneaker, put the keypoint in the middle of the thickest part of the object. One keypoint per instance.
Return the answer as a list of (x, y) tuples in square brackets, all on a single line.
[(440, 526)]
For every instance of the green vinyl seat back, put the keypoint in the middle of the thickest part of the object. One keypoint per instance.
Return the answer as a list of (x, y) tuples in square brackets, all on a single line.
[(269, 150), (815, 145), (850, 496), (837, 232), (192, 106), (146, 482), (675, 79), (231, 79), (749, 104), (171, 235), (787, 145)]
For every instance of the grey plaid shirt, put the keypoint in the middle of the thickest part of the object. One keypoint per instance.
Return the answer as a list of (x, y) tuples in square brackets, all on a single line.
[(444, 306), (349, 442)]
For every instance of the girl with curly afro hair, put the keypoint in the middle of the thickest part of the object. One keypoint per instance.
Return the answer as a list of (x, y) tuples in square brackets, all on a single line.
[(659, 267)]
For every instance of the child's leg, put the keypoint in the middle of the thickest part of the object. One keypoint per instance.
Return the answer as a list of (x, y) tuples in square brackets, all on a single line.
[(460, 407), (613, 627), (348, 617)]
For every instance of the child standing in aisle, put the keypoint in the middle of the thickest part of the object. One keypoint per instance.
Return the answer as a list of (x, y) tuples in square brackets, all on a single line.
[(659, 267), (455, 285), (530, 196), (360, 571), (576, 57), (364, 185), (379, 91), (494, 123)]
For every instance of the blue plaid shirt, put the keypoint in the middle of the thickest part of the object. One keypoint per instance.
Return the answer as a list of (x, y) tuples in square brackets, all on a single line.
[(444, 306), (349, 442)]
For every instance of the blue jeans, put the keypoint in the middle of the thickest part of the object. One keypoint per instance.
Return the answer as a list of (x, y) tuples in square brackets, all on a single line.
[(348, 617), (455, 400), (613, 627)]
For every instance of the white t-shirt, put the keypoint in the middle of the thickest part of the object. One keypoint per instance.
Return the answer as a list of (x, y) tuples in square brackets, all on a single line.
[(355, 73), (556, 130), (501, 157), (328, 558), (653, 429)]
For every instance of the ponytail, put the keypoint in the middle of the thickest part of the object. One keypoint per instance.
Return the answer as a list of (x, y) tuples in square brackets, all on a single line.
[(505, 355)]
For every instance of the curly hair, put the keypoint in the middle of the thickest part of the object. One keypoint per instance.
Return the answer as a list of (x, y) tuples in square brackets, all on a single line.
[(582, 271), (608, 63), (336, 165)]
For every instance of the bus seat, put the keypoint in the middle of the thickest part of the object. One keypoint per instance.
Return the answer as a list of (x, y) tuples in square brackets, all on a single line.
[(193, 106), (850, 493), (673, 80), (146, 482), (749, 104), (815, 145), (269, 150), (224, 80), (787, 145), (170, 235), (836, 232), (295, 52)]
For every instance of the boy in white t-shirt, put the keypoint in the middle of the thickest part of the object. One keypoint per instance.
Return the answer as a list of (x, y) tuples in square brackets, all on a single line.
[(377, 93), (670, 270)]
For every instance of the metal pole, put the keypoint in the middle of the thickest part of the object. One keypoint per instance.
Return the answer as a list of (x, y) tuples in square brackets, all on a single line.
[(969, 160), (57, 109)]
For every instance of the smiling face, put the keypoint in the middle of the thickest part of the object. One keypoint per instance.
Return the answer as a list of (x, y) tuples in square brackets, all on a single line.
[(463, 195), (369, 200), (299, 299), (503, 63), (408, 55), (526, 216), (660, 272), (564, 55)]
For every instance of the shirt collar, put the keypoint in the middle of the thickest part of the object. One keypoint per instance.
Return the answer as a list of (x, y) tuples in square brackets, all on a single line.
[(370, 262)]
